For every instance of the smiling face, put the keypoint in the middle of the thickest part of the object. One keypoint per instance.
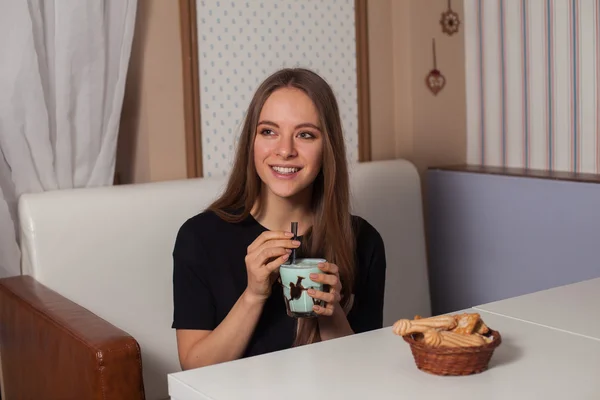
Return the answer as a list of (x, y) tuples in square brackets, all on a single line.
[(288, 146)]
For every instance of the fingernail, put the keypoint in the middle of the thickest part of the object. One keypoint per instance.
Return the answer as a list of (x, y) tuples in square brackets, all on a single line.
[(314, 276), (289, 234), (296, 242), (311, 291), (285, 256), (316, 308), (288, 250), (321, 266)]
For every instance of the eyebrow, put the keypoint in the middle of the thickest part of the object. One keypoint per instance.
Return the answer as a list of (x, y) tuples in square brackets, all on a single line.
[(303, 125)]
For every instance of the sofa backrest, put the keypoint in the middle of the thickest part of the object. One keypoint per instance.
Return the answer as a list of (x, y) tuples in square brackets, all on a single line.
[(109, 249)]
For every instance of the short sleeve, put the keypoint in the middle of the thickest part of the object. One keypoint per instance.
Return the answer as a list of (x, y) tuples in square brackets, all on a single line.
[(367, 311), (193, 303)]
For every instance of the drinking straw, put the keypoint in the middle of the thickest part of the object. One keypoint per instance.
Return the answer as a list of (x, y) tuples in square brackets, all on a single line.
[(295, 232)]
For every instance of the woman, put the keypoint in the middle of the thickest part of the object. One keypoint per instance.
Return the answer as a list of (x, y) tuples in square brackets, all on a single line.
[(290, 166)]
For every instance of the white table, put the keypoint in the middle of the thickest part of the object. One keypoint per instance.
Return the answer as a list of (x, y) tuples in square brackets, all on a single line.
[(571, 308), (533, 362)]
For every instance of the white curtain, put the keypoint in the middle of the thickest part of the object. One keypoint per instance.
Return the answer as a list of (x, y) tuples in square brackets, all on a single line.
[(63, 65)]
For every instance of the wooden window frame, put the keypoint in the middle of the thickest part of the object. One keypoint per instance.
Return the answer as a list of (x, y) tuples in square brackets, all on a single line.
[(191, 85)]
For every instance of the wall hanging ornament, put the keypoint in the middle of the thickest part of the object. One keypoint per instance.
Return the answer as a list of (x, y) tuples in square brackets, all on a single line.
[(435, 81), (450, 21)]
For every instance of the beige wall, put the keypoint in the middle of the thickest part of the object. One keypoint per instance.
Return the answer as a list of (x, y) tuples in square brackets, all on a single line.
[(152, 135), (406, 119)]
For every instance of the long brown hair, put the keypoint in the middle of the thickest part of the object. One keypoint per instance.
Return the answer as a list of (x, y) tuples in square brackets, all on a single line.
[(331, 235)]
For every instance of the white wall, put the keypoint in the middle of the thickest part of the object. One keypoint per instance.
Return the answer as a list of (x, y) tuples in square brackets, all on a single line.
[(242, 42)]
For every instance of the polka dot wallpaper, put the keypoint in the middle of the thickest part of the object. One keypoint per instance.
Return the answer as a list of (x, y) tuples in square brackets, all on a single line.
[(243, 42)]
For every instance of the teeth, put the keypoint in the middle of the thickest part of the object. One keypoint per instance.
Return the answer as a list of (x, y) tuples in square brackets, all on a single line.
[(282, 170)]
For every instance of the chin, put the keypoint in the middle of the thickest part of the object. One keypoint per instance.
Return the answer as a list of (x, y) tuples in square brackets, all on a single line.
[(286, 191)]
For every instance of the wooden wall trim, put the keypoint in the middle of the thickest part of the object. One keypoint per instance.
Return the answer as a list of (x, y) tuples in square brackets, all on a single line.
[(362, 83), (521, 172), (191, 87)]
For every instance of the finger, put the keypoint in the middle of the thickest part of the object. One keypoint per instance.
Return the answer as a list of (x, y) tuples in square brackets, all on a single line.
[(336, 294), (289, 244), (325, 311), (327, 279), (269, 253), (273, 265), (266, 236), (329, 268), (317, 294)]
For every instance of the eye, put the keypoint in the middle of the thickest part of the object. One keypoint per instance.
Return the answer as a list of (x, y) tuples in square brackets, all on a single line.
[(267, 132), (306, 135)]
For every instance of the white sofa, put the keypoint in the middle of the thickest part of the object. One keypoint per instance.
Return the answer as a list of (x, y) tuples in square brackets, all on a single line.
[(109, 250)]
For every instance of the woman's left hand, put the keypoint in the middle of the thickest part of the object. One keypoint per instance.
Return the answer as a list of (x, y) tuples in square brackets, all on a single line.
[(331, 278)]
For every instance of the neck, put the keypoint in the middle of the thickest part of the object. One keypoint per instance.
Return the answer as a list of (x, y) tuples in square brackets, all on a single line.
[(277, 213)]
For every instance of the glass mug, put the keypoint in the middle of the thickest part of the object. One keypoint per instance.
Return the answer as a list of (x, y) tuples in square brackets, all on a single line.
[(295, 279)]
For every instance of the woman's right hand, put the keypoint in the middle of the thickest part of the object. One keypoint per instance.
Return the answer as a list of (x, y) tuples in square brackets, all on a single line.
[(264, 256)]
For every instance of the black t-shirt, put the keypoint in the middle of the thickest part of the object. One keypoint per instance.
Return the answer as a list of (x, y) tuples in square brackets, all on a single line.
[(209, 276)]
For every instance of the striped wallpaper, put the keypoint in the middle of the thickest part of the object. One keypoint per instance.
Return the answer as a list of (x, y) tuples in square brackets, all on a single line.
[(532, 83)]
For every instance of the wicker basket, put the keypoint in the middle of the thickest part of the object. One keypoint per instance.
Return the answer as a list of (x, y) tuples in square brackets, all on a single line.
[(453, 360)]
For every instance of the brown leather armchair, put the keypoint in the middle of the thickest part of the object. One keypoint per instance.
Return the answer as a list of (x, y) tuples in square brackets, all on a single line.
[(52, 348)]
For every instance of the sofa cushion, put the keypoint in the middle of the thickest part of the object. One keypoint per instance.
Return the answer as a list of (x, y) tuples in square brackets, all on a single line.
[(109, 250)]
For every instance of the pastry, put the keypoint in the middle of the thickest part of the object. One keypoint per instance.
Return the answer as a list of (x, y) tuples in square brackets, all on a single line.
[(406, 327), (432, 338), (487, 339), (466, 323), (451, 339), (481, 328)]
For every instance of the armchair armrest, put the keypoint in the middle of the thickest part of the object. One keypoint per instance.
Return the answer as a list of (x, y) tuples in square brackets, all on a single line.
[(52, 348)]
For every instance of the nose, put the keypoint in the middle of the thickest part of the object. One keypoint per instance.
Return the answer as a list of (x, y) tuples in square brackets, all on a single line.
[(286, 147)]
